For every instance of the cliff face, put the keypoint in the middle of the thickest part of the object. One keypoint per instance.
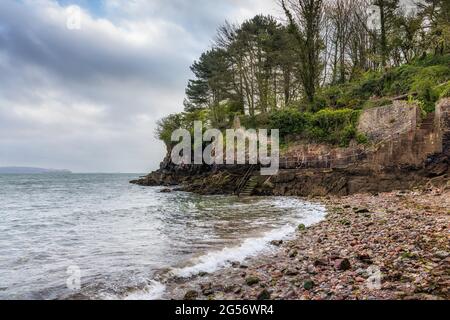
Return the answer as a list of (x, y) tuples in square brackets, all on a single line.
[(407, 152)]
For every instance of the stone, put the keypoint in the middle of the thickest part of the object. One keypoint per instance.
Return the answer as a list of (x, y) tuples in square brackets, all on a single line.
[(320, 262), (191, 295), (311, 269), (342, 264), (301, 227), (293, 253), (264, 295), (291, 272), (207, 289), (250, 281), (165, 190), (229, 288), (364, 257), (362, 210), (308, 284), (276, 243), (441, 254)]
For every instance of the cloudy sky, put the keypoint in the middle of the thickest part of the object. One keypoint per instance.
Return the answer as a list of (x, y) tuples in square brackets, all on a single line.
[(87, 99)]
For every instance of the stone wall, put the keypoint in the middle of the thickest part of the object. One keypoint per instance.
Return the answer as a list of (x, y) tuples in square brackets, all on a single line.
[(407, 141), (384, 122), (442, 123)]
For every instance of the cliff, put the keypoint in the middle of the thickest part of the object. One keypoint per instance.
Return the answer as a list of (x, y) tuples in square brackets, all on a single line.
[(406, 150)]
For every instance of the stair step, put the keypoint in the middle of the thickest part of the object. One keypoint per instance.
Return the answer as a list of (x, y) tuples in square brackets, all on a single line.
[(248, 188)]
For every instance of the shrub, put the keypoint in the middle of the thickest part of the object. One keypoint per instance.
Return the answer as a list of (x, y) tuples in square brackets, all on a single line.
[(443, 90), (328, 125), (289, 121)]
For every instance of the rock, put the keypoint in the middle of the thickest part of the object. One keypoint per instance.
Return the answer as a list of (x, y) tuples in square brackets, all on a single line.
[(235, 264), (301, 227), (191, 295), (441, 254), (293, 253), (364, 257), (308, 284), (342, 264), (208, 292), (166, 190), (276, 243), (264, 295), (320, 262), (363, 210), (207, 289), (202, 274), (250, 281), (311, 269), (229, 288), (291, 272)]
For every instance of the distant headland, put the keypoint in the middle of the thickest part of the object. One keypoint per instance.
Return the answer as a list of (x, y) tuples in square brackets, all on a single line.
[(30, 170)]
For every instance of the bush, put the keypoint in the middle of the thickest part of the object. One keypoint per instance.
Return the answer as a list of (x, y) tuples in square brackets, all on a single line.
[(328, 125), (289, 121), (166, 126), (443, 90)]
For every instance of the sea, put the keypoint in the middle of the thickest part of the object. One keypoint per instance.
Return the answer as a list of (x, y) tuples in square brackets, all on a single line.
[(96, 236)]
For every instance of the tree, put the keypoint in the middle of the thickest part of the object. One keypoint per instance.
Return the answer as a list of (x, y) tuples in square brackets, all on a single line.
[(166, 126), (210, 85), (436, 16), (387, 9), (304, 18), (406, 36)]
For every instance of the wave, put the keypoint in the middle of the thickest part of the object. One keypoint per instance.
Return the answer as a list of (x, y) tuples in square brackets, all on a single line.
[(251, 247), (154, 291), (309, 214)]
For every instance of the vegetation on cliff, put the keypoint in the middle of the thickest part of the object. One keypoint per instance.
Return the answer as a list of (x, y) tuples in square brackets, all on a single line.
[(312, 76)]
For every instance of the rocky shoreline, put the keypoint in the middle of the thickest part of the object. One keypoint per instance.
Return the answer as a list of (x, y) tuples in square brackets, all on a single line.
[(402, 235)]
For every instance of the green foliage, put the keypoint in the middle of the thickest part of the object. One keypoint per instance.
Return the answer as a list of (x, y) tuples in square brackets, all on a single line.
[(444, 90), (424, 78), (329, 126), (166, 126), (290, 121)]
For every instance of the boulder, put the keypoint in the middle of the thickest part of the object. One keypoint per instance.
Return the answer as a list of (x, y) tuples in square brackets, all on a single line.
[(250, 281), (308, 284), (264, 295), (342, 264), (191, 295)]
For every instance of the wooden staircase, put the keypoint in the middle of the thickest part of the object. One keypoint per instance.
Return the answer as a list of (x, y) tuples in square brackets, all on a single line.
[(249, 187), (247, 183)]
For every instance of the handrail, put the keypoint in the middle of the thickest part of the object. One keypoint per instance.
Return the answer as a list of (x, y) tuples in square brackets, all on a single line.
[(244, 179)]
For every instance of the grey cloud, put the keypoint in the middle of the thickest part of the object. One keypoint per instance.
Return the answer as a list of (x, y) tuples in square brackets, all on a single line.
[(87, 99)]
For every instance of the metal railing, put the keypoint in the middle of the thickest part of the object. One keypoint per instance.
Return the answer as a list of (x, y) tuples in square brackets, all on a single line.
[(243, 181)]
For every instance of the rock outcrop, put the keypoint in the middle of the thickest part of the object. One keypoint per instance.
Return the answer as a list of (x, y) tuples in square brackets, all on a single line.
[(406, 153)]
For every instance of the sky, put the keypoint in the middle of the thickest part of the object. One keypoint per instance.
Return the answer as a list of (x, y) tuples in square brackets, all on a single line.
[(86, 98)]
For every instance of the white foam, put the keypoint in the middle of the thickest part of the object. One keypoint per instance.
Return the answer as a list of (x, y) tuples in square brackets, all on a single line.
[(308, 214), (251, 247), (154, 291)]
